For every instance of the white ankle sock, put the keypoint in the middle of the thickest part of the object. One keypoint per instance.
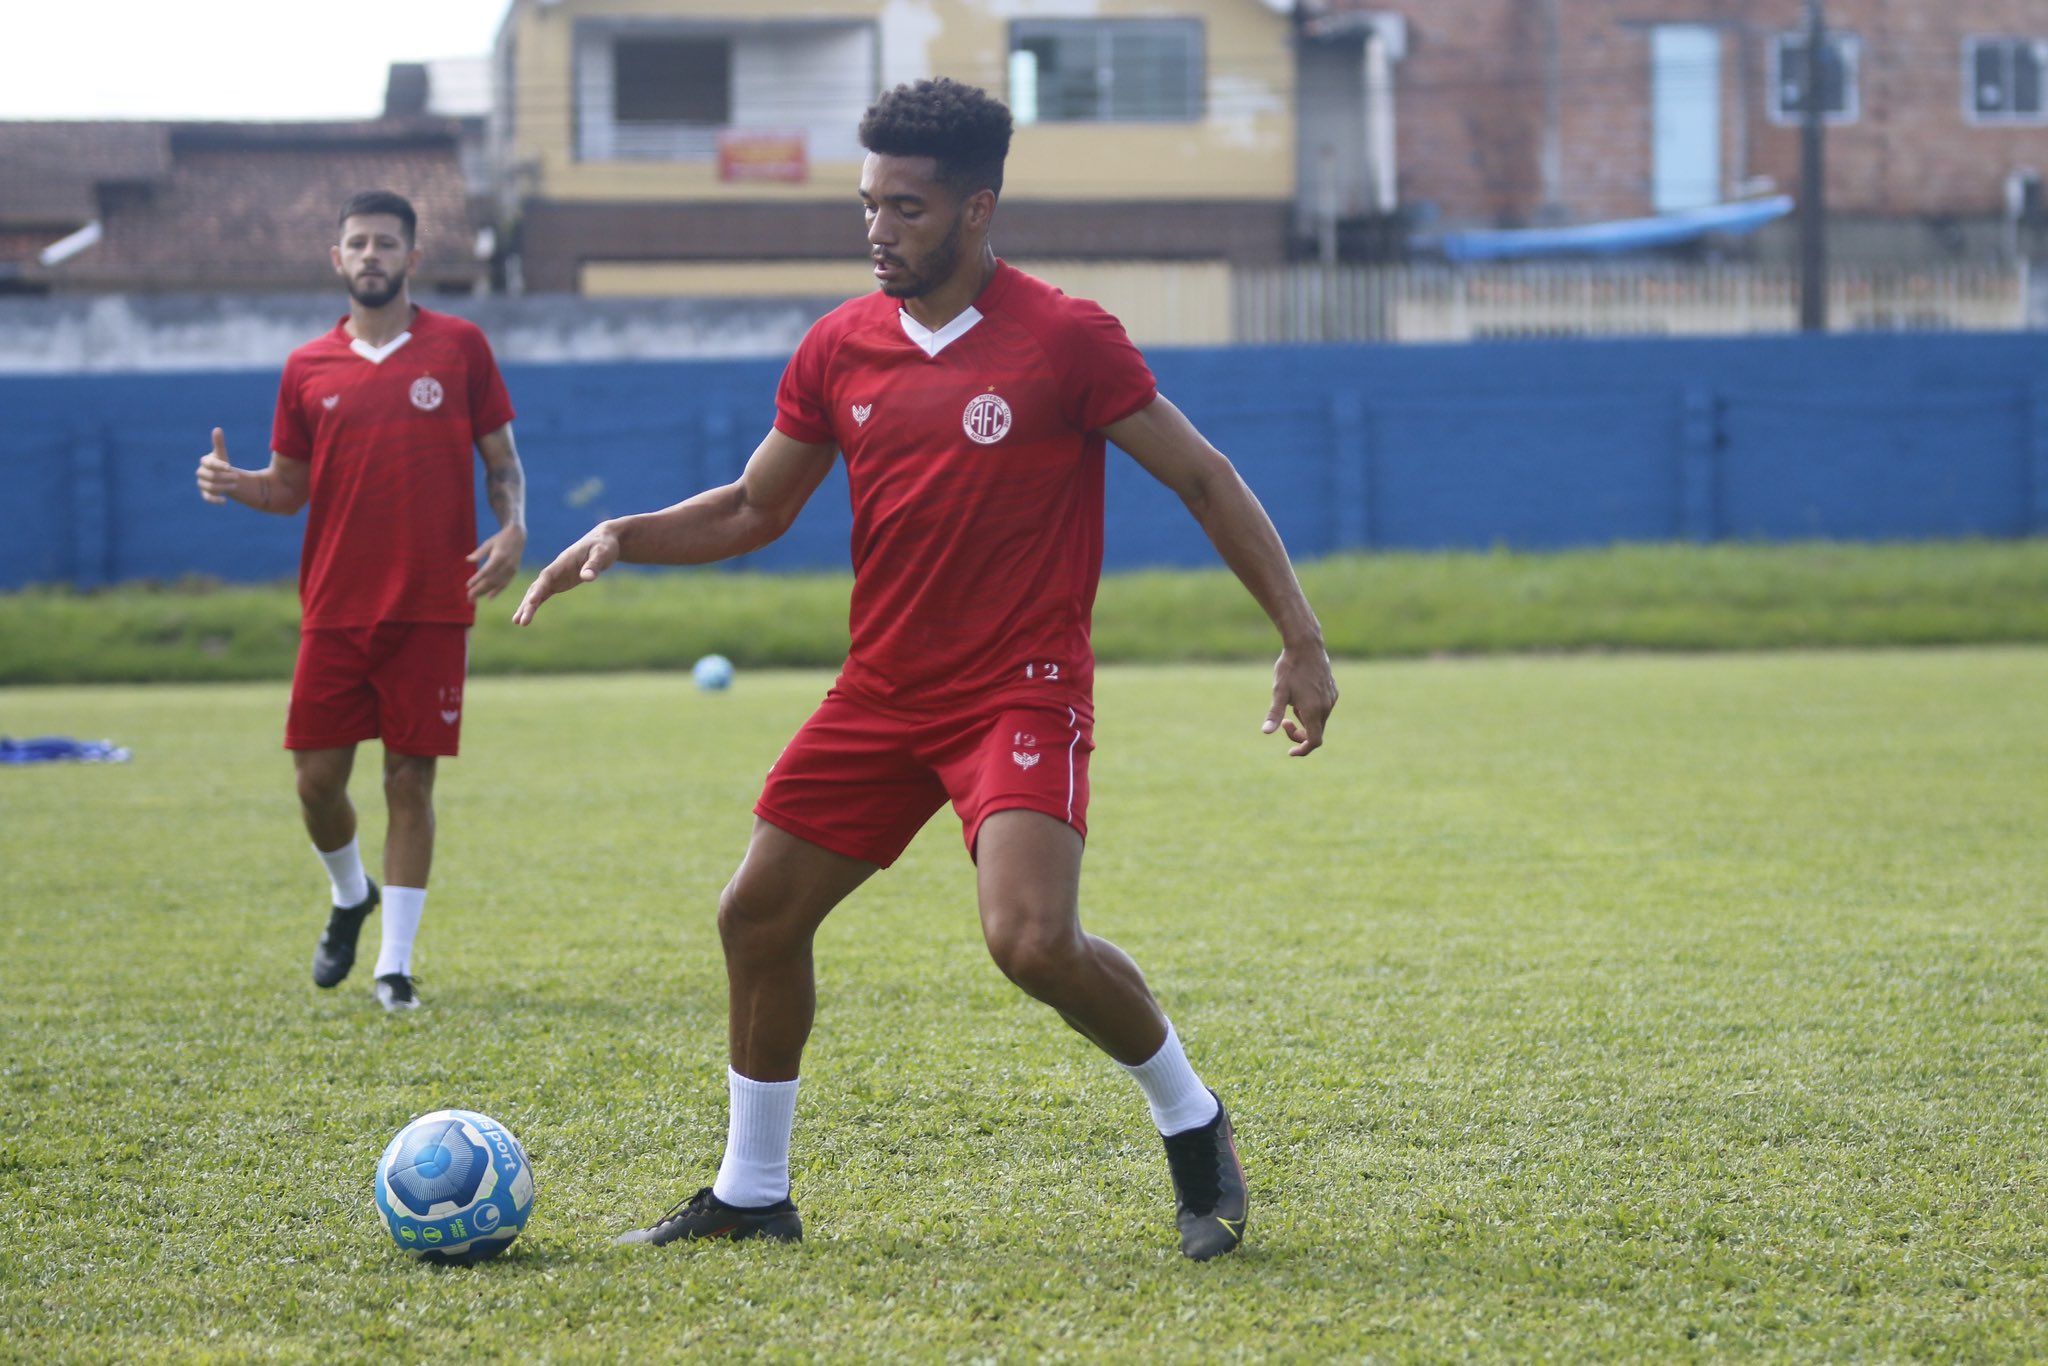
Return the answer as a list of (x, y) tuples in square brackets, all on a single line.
[(755, 1171), (403, 907), (345, 871), (1178, 1099)]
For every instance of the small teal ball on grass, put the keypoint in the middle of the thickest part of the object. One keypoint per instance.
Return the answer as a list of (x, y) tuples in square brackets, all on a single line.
[(713, 673), (454, 1186)]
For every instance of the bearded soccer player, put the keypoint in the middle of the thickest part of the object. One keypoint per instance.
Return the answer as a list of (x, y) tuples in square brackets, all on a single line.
[(375, 427), (970, 403)]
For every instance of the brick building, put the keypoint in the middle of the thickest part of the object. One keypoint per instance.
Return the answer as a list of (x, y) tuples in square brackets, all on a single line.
[(1513, 112), (239, 207)]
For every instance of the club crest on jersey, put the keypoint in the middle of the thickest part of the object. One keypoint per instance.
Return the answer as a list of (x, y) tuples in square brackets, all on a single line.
[(861, 413), (426, 393), (329, 402), (987, 419)]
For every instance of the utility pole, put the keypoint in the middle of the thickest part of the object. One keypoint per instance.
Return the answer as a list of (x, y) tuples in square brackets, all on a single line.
[(1813, 194)]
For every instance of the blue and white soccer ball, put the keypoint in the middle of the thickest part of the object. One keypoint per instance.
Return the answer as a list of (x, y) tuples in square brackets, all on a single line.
[(454, 1186), (713, 673)]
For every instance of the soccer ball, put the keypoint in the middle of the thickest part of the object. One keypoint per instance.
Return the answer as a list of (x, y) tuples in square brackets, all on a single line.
[(454, 1186), (713, 673)]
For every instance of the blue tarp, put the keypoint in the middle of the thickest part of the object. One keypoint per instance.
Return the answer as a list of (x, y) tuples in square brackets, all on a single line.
[(1611, 238), (57, 749)]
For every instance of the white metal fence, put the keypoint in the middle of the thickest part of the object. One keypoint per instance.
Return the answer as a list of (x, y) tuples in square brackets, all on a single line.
[(1440, 303)]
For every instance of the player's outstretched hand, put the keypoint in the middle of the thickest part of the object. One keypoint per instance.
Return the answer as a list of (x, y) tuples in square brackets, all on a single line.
[(580, 563), (217, 478), (497, 560), (1302, 680)]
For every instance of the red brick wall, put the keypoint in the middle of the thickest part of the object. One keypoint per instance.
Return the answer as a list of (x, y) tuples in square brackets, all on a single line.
[(1470, 105)]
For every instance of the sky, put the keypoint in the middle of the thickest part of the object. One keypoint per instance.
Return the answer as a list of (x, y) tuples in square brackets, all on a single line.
[(223, 59)]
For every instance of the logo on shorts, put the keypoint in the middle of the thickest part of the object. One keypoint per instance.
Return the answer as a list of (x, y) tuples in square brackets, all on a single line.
[(861, 413), (450, 716), (426, 393), (329, 402), (987, 419), (1024, 760)]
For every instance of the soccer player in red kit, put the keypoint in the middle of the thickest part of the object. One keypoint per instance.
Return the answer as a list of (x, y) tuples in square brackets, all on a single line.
[(971, 404), (375, 426)]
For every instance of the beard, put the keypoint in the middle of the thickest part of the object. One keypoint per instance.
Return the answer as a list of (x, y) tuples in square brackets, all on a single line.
[(376, 293), (922, 277)]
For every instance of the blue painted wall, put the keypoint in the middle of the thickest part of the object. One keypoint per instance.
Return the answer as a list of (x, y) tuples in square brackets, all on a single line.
[(1531, 445)]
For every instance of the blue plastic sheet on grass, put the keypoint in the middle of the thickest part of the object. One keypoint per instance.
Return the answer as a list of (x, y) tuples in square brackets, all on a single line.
[(60, 749)]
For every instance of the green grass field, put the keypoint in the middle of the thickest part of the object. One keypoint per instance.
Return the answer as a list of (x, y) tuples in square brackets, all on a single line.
[(1626, 1008)]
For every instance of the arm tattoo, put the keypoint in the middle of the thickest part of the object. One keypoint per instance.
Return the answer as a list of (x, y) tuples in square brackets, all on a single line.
[(505, 487)]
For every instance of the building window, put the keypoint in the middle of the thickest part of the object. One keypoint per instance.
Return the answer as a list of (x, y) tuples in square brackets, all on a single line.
[(1106, 71), (2002, 77), (1792, 71), (672, 80)]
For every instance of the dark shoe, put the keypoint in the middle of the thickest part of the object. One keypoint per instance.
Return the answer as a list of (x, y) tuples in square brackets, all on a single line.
[(704, 1215), (394, 992), (1208, 1187), (335, 954)]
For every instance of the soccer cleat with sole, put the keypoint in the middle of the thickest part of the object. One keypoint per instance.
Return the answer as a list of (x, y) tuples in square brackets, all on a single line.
[(394, 992), (704, 1215), (1208, 1187), (335, 954)]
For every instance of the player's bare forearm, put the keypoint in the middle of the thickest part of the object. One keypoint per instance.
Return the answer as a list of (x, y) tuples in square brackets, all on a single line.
[(716, 524), (734, 518), (1160, 438), (504, 478), (280, 488)]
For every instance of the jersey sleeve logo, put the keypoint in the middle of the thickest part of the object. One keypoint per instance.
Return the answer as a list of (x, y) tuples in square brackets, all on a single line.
[(426, 393), (987, 419)]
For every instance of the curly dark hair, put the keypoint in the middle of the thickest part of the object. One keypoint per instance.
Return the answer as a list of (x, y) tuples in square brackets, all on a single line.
[(965, 129)]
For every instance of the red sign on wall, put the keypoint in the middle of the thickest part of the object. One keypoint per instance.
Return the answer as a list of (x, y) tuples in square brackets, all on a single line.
[(762, 154)]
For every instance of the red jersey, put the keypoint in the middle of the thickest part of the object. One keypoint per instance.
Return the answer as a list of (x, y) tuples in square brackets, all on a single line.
[(391, 435), (976, 474)]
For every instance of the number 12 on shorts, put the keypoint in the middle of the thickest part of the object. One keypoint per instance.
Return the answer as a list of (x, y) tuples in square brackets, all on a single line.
[(1048, 669)]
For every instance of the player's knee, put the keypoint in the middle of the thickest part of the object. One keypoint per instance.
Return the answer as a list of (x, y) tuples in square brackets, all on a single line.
[(409, 785), (1036, 955), (748, 927), (320, 787)]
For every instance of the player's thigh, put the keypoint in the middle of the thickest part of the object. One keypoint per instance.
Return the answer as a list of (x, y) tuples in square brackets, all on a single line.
[(785, 885), (418, 672), (1027, 880), (333, 705)]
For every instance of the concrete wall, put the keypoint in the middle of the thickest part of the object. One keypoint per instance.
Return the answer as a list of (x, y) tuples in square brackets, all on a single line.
[(1536, 445)]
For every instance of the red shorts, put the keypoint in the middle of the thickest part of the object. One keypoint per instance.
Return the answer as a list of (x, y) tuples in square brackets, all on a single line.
[(401, 680), (862, 782)]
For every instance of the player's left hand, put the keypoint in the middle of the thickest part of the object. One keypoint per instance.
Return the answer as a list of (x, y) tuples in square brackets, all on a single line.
[(1302, 680), (497, 560)]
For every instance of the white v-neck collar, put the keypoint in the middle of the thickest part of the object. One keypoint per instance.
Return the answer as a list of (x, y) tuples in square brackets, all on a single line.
[(377, 355), (930, 342)]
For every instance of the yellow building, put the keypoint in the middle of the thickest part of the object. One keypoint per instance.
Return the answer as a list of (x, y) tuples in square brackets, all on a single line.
[(708, 148)]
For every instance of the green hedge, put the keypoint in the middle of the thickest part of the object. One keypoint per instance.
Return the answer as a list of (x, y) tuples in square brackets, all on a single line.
[(1662, 597)]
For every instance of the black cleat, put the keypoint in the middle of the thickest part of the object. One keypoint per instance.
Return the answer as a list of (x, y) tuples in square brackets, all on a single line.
[(704, 1215), (335, 954), (1208, 1187), (394, 992)]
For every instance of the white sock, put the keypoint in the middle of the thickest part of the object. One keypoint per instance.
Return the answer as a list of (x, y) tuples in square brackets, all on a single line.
[(755, 1171), (345, 871), (1178, 1099), (403, 907)]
